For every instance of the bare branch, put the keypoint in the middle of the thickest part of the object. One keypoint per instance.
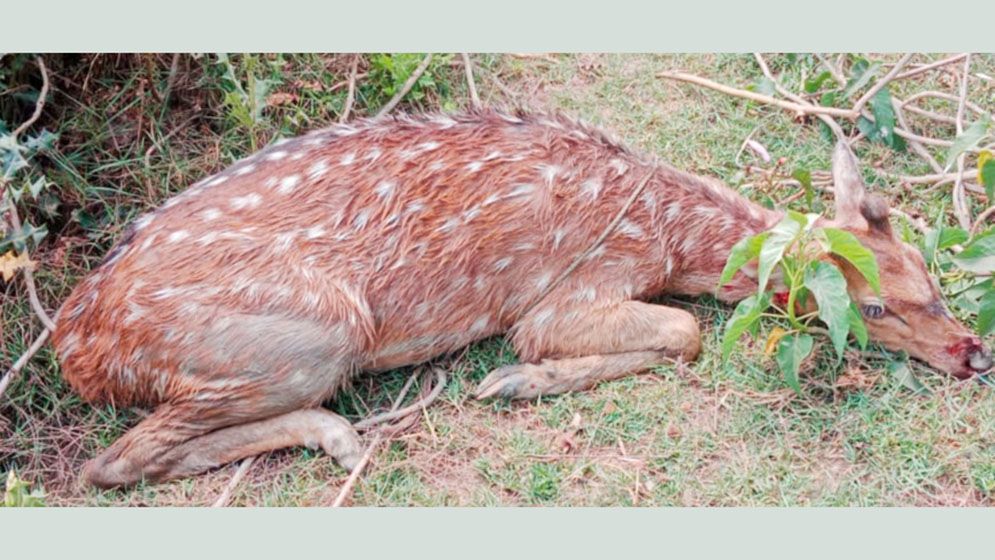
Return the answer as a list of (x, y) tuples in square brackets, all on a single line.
[(407, 86), (830, 122), (791, 106), (931, 66), (240, 473), (961, 208), (354, 475), (880, 84), (23, 360), (40, 103), (468, 66), (351, 95)]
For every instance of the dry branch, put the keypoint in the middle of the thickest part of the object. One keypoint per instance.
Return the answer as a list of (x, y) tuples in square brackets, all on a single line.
[(410, 83), (354, 475), (961, 209), (468, 66), (40, 103), (351, 95), (243, 469), (791, 106), (928, 67), (880, 84), (23, 360), (830, 122)]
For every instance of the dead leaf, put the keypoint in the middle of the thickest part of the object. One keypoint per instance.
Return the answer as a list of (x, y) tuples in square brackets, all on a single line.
[(280, 98), (776, 334), (11, 263), (855, 378)]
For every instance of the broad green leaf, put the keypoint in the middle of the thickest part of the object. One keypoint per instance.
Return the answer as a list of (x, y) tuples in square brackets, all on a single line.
[(828, 286), (884, 119), (862, 75), (986, 173), (804, 176), (857, 326), (792, 349), (742, 252), (950, 236), (780, 237), (846, 245), (967, 140), (812, 85), (902, 373), (746, 314), (978, 256), (986, 314)]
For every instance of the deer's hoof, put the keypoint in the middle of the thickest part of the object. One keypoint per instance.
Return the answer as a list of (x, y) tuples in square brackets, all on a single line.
[(518, 381)]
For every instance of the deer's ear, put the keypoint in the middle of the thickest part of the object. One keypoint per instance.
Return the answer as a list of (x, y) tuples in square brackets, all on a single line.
[(848, 186)]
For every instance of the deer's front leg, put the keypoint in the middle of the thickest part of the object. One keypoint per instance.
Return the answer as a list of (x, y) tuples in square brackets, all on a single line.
[(582, 347)]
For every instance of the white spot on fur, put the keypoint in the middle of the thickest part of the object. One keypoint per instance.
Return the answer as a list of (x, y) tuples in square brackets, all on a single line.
[(288, 183), (318, 169), (502, 264), (591, 187), (521, 190), (177, 236), (359, 222), (315, 232), (493, 155), (673, 211), (480, 324), (246, 169), (620, 167), (585, 294), (374, 154), (348, 159), (549, 172), (250, 200), (629, 228), (283, 241), (474, 166), (277, 155), (210, 214), (542, 317), (384, 189)]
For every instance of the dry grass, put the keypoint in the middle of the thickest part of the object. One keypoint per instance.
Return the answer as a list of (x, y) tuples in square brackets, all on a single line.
[(700, 434)]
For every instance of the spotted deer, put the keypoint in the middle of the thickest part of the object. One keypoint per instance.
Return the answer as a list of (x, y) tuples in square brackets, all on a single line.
[(241, 305)]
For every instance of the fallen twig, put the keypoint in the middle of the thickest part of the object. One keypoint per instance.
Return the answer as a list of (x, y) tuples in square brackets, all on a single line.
[(830, 122), (961, 208), (981, 219), (23, 360), (351, 95), (354, 475), (40, 103), (789, 105), (880, 84), (240, 472), (927, 67), (471, 85), (410, 83), (394, 414)]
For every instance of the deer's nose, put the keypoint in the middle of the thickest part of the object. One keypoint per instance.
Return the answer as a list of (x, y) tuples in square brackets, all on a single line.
[(980, 358)]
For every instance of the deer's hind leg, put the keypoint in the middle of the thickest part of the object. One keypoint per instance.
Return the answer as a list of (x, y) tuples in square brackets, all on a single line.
[(254, 384), (578, 349)]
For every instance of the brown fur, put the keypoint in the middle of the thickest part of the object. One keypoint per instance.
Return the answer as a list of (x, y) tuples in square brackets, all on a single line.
[(259, 291)]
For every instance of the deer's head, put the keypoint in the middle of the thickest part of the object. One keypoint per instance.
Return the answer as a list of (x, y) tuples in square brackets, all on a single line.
[(910, 313)]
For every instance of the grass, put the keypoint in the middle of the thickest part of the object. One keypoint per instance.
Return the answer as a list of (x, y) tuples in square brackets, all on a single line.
[(703, 434)]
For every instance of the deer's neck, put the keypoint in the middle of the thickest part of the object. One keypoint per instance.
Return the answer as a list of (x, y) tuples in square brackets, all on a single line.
[(697, 222)]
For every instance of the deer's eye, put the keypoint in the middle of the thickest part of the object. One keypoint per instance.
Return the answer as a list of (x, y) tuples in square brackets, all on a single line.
[(872, 309)]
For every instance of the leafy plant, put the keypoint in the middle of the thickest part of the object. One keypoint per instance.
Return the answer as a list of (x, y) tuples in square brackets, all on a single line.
[(798, 250), (389, 72), (20, 494), (245, 103)]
